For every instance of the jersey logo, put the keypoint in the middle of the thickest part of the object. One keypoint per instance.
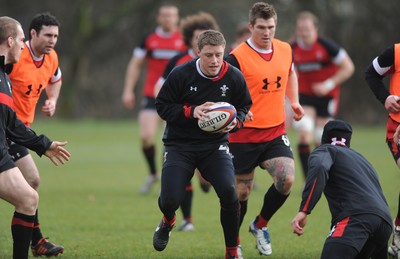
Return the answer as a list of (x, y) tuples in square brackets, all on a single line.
[(224, 88), (193, 88), (267, 83)]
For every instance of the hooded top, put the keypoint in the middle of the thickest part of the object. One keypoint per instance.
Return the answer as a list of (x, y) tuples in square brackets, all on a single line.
[(337, 132)]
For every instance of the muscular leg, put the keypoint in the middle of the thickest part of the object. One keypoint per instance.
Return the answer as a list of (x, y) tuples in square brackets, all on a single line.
[(30, 172), (282, 171), (15, 190), (305, 128), (148, 127), (244, 187)]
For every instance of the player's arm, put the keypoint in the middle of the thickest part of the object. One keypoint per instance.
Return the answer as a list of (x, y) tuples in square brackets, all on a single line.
[(344, 64), (292, 92), (345, 68), (318, 174), (52, 92), (320, 163), (376, 71), (17, 132), (131, 77), (168, 101)]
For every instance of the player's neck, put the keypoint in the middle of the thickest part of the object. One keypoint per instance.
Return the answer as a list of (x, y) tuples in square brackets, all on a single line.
[(37, 55)]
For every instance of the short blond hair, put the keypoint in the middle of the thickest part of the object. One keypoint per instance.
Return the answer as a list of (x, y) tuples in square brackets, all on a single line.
[(211, 37), (8, 28)]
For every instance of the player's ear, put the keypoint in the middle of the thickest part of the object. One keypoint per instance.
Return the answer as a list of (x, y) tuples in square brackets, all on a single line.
[(33, 32), (10, 41)]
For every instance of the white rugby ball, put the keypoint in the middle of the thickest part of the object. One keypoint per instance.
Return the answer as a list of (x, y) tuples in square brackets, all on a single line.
[(221, 115)]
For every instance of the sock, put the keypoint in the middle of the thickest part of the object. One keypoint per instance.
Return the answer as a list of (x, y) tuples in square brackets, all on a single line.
[(21, 229), (273, 200), (186, 205), (170, 222), (149, 153), (36, 233), (243, 211), (304, 153), (231, 251)]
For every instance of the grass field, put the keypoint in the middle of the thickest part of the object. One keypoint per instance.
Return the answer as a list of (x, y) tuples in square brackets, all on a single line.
[(92, 205)]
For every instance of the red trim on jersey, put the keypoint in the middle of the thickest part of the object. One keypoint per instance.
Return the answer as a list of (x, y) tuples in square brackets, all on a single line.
[(21, 222), (253, 135), (7, 100), (340, 227), (187, 110), (222, 72), (305, 208)]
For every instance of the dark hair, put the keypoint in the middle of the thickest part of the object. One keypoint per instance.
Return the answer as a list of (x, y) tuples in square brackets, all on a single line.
[(262, 10), (199, 21), (43, 19)]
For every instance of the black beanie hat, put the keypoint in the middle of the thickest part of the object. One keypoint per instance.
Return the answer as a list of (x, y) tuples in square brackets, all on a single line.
[(337, 132)]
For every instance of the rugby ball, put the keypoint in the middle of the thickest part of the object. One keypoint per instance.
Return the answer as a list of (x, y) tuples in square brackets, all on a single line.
[(221, 115)]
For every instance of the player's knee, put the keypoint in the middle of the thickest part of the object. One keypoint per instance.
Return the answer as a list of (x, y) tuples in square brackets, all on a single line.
[(284, 185), (34, 181), (305, 124), (28, 203), (243, 192), (228, 195)]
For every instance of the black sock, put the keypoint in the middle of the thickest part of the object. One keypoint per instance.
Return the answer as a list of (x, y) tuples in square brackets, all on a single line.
[(186, 205), (304, 154), (150, 153), (21, 229), (36, 233), (243, 211), (273, 200)]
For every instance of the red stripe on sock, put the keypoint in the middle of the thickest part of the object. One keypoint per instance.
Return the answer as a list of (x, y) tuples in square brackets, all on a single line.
[(17, 221)]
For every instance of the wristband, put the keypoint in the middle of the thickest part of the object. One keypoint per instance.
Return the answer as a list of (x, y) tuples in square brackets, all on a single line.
[(329, 84)]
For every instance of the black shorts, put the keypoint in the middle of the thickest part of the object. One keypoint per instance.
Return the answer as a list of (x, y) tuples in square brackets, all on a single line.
[(247, 156), (364, 234), (214, 165), (148, 103), (325, 107), (17, 151)]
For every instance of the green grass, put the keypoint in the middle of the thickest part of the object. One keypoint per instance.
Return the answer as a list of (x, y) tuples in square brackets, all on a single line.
[(92, 206)]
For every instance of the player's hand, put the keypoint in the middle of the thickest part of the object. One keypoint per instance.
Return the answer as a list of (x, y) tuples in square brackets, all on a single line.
[(299, 222), (128, 100), (56, 151), (249, 116), (298, 111), (392, 104), (230, 127), (321, 89), (49, 108), (200, 112)]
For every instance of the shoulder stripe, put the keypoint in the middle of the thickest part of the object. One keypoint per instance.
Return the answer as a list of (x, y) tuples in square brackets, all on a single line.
[(7, 100)]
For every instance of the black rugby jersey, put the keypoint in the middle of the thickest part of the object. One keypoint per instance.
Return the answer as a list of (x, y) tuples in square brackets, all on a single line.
[(185, 88), (349, 182), (12, 128)]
